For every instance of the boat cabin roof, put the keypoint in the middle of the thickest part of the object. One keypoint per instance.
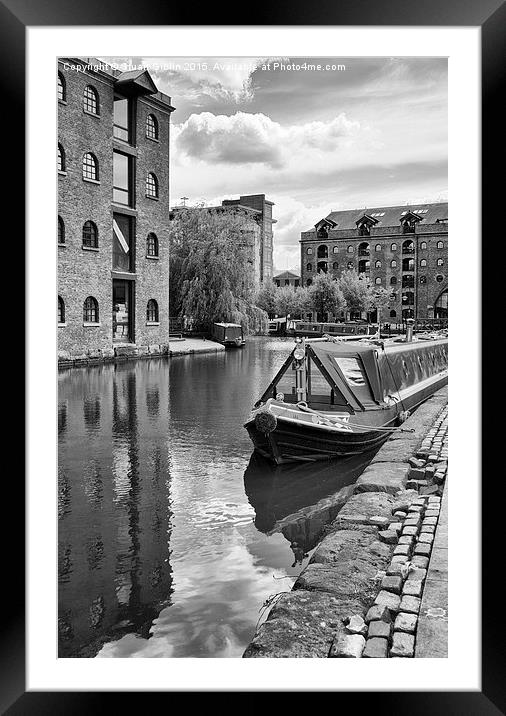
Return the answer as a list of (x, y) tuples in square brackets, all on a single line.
[(228, 325)]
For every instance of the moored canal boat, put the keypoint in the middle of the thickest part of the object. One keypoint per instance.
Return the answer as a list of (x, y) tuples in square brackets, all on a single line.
[(230, 335), (332, 398)]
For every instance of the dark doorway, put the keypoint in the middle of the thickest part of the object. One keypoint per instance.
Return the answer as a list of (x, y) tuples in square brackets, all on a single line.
[(122, 311)]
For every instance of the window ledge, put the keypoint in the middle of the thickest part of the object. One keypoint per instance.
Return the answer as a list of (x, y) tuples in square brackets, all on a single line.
[(62, 325), (90, 248), (152, 323), (64, 246), (152, 139), (91, 181), (91, 114), (91, 325), (62, 173), (153, 258), (153, 198), (62, 101)]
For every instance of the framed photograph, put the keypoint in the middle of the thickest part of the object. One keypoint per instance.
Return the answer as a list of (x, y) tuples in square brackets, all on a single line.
[(255, 327)]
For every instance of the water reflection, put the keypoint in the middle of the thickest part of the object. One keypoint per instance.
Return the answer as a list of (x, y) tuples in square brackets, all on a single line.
[(171, 535)]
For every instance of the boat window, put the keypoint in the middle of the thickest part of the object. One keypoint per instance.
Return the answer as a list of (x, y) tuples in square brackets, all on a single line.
[(352, 371)]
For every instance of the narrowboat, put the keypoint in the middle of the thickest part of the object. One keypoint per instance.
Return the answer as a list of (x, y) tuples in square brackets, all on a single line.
[(231, 335), (332, 398), (351, 329)]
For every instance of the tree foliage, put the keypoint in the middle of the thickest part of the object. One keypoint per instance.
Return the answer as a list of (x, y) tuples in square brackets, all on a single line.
[(325, 295), (356, 291), (211, 268), (291, 301), (266, 298)]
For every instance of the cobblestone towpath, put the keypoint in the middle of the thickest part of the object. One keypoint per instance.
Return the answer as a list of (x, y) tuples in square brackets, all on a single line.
[(376, 586)]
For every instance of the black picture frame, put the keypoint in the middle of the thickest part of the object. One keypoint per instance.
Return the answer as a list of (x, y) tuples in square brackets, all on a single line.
[(490, 15)]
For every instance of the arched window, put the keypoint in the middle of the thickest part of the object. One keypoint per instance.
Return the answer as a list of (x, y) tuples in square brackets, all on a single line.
[(152, 186), (377, 281), (423, 245), (350, 249), (393, 314), (152, 311), (322, 233), (309, 281), (62, 90), (335, 265), (423, 262), (90, 310), (90, 100), (377, 264), (335, 250), (377, 247), (350, 265), (440, 245), (408, 247), (393, 247), (61, 158), (408, 299), (151, 127), (309, 250), (363, 249), (61, 310), (90, 235), (441, 305), (309, 267), (393, 281), (323, 252), (90, 167), (440, 278), (322, 266), (440, 262), (393, 264), (423, 280), (61, 231), (152, 245)]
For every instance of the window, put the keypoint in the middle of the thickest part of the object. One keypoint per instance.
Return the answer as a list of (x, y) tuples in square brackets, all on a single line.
[(364, 229), (393, 247), (377, 264), (152, 245), (287, 281), (90, 100), (335, 250), (309, 250), (377, 281), (322, 267), (90, 167), (61, 231), (440, 245), (90, 310), (440, 262), (423, 245), (408, 264), (350, 265), (122, 179), (123, 243), (335, 265), (350, 249), (408, 247), (363, 249), (152, 311), (423, 280), (278, 283), (309, 281), (322, 233), (393, 264), (121, 119), (440, 278), (323, 252), (408, 299), (61, 310), (423, 262), (364, 266), (152, 186), (151, 127), (90, 235), (61, 158), (377, 247), (62, 94), (393, 314), (393, 281), (309, 267)]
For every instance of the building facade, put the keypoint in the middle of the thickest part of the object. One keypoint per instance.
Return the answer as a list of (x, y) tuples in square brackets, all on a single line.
[(263, 207), (287, 278), (113, 202), (402, 248)]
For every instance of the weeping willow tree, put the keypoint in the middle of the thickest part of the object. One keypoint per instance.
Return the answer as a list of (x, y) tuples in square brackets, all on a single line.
[(212, 255)]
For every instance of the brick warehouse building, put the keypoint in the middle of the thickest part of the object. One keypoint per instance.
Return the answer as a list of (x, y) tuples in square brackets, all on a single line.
[(113, 203), (402, 248)]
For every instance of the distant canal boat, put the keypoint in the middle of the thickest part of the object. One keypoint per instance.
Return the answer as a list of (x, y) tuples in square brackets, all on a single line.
[(277, 326), (231, 335), (313, 329), (333, 398)]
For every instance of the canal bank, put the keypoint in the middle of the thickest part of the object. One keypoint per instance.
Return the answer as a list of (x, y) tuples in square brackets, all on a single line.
[(374, 587), (175, 347)]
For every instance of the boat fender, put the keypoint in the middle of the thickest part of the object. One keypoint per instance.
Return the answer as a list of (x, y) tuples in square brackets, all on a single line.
[(265, 421), (404, 415)]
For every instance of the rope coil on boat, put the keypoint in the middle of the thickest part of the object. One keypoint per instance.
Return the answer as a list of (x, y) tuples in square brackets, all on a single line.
[(265, 421)]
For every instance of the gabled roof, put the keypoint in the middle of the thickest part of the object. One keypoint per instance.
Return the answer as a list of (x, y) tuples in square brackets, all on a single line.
[(137, 82), (389, 215), (286, 274)]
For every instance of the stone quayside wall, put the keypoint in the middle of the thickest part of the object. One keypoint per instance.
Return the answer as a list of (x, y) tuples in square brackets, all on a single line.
[(359, 596)]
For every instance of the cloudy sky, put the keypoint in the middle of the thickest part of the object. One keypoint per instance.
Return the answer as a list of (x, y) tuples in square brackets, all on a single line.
[(372, 134)]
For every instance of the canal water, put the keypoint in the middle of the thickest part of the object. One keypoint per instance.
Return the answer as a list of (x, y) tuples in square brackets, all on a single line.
[(172, 534)]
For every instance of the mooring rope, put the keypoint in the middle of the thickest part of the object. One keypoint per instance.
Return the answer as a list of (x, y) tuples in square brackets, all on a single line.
[(331, 421)]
